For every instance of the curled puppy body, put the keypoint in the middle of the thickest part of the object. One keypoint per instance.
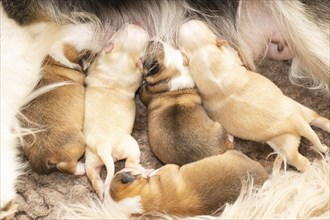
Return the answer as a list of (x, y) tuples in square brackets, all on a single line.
[(229, 90), (193, 189), (58, 114), (179, 130), (112, 82)]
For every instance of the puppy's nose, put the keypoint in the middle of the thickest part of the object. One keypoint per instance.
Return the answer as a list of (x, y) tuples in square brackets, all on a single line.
[(127, 178)]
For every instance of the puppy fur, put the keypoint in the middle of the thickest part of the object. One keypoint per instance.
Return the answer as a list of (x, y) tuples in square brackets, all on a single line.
[(196, 188), (179, 129), (229, 90), (60, 114), (112, 82)]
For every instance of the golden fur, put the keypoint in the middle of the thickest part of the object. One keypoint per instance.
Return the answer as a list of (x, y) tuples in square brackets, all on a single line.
[(247, 104), (193, 189), (110, 108), (179, 129), (58, 114)]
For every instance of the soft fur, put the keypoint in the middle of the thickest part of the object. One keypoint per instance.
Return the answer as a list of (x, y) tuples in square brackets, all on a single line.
[(179, 130), (229, 90), (59, 114), (111, 84), (22, 52)]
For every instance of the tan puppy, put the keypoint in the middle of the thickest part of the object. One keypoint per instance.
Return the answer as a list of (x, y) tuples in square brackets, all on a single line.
[(59, 114), (197, 188), (247, 104), (179, 129), (112, 82)]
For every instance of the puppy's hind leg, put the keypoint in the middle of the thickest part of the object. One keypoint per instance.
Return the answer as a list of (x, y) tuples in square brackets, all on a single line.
[(71, 167), (287, 145), (322, 123), (93, 165), (132, 152), (305, 130)]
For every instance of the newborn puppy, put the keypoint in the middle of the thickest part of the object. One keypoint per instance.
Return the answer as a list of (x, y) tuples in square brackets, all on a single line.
[(197, 188), (112, 82), (247, 104), (179, 129), (58, 114)]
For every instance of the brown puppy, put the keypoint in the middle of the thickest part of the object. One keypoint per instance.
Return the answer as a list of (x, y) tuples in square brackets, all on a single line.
[(59, 114), (179, 129), (247, 104), (193, 189)]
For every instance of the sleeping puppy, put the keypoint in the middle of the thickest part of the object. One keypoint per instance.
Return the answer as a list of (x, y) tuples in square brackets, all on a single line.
[(179, 129), (59, 114), (112, 82), (247, 104), (194, 189)]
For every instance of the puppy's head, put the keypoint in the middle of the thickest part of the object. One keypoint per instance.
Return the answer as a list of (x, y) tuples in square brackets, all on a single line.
[(68, 56), (194, 34), (131, 40), (165, 67), (129, 183)]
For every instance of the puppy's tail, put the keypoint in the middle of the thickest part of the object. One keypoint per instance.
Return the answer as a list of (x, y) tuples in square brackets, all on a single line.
[(307, 36)]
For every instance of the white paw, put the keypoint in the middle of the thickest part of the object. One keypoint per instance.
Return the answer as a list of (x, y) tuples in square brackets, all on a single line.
[(80, 170)]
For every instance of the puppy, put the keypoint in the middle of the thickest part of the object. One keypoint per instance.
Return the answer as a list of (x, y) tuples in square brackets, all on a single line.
[(59, 115), (179, 129), (112, 82), (193, 189), (247, 104)]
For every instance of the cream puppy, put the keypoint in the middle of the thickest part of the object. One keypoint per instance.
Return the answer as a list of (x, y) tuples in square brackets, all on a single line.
[(247, 104), (194, 189), (112, 82), (179, 130)]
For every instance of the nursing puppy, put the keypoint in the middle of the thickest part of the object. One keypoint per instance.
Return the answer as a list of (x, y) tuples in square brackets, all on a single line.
[(112, 82), (193, 189), (179, 129), (59, 114), (247, 104)]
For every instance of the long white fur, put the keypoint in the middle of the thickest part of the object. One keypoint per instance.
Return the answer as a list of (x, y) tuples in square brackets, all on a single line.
[(307, 40), (21, 57), (285, 195), (22, 52)]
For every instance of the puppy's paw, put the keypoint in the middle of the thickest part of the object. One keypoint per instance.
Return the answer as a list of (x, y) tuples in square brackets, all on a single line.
[(80, 169)]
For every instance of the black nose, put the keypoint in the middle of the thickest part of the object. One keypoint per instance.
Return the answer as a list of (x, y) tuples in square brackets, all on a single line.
[(127, 178)]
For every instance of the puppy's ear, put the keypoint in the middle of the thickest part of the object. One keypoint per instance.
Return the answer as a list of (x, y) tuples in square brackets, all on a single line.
[(108, 48), (221, 42), (185, 59), (86, 57)]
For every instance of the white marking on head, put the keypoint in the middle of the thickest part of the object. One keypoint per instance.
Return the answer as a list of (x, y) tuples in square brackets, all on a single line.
[(173, 59)]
